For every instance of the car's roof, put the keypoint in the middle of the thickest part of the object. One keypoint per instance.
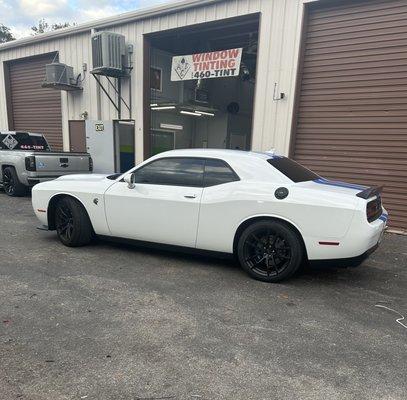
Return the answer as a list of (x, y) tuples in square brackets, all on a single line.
[(248, 165), (217, 153)]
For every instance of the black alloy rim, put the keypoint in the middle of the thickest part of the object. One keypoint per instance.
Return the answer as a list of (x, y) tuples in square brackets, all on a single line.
[(8, 182), (267, 253), (64, 222)]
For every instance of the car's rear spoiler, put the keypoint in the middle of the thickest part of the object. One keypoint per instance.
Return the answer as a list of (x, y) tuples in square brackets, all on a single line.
[(370, 192)]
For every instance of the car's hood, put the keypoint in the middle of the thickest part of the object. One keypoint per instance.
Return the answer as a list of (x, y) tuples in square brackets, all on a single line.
[(83, 177), (333, 187)]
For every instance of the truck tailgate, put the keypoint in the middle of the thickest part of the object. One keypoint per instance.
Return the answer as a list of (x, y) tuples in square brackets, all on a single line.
[(61, 163)]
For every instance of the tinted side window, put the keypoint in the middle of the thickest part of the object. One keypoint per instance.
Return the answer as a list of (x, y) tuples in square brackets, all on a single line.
[(173, 171), (292, 170), (218, 172)]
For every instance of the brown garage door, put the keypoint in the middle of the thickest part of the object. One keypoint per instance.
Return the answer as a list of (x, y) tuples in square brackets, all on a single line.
[(351, 121), (33, 108)]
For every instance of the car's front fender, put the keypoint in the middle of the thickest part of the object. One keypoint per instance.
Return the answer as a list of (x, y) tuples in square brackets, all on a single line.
[(92, 201)]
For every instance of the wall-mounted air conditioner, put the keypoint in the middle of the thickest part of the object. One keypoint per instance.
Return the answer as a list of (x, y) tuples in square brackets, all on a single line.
[(60, 76), (109, 54)]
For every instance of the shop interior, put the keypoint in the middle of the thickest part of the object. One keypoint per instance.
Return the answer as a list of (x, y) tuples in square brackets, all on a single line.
[(203, 113)]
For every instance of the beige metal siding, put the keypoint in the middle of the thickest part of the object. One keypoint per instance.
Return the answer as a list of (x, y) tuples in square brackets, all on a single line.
[(32, 107), (352, 111), (279, 39)]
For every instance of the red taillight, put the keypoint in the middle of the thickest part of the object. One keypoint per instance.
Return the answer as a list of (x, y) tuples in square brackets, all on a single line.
[(30, 164), (374, 209)]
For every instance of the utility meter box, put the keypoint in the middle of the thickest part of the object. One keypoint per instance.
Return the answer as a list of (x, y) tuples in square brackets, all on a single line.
[(111, 145), (100, 144), (109, 54)]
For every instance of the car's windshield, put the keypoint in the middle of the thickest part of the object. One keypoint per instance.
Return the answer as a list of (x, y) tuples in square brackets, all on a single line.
[(292, 170), (23, 141)]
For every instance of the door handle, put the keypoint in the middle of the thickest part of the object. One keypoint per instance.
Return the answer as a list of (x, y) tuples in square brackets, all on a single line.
[(190, 196)]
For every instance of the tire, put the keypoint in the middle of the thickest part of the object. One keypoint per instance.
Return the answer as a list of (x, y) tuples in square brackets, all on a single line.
[(270, 251), (11, 184), (72, 223)]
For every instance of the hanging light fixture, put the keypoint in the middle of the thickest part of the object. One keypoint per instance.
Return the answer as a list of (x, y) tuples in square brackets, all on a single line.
[(195, 114)]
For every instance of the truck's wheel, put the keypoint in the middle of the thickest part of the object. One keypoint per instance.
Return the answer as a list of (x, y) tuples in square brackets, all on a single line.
[(72, 223), (270, 251), (12, 186)]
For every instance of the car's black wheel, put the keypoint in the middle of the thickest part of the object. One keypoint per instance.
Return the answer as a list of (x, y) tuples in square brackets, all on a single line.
[(270, 251), (72, 223), (12, 186)]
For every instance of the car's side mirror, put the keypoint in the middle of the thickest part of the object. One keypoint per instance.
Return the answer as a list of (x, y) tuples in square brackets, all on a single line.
[(130, 179)]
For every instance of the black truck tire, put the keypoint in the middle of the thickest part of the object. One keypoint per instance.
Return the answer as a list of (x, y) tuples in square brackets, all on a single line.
[(12, 186)]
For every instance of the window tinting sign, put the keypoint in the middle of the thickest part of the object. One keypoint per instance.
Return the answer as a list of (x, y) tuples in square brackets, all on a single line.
[(10, 142), (215, 64)]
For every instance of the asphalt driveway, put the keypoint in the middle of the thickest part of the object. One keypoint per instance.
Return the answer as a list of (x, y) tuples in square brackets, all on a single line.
[(117, 322)]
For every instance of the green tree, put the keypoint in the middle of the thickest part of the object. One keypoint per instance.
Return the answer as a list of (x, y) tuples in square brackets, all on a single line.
[(5, 34), (43, 26)]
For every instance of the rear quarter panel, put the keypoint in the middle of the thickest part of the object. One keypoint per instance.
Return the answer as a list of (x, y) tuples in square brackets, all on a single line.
[(225, 207), (15, 159)]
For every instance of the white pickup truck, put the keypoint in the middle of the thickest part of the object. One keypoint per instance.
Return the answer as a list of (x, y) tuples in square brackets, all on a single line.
[(26, 159)]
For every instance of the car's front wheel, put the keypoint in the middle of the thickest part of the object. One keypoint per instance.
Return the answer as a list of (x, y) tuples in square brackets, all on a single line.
[(270, 251), (72, 223)]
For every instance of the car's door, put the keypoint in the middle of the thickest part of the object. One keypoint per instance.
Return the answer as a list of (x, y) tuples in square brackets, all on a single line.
[(163, 206), (221, 207)]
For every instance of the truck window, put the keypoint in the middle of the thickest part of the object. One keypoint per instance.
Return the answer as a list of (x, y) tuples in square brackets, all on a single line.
[(23, 141)]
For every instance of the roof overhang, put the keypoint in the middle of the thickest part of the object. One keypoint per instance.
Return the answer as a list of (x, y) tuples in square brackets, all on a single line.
[(119, 19)]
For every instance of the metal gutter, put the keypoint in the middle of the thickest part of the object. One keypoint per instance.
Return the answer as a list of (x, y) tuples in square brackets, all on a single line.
[(119, 19)]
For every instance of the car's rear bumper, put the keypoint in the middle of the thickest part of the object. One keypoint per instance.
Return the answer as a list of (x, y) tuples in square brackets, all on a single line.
[(345, 262), (361, 237)]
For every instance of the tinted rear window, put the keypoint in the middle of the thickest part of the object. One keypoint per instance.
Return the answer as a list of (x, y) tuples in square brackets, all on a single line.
[(292, 170), (23, 141)]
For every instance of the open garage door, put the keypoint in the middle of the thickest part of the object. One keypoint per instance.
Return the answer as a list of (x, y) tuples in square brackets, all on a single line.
[(352, 106), (31, 107)]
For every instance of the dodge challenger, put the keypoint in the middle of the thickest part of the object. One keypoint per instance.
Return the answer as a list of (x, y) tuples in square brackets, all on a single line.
[(267, 210)]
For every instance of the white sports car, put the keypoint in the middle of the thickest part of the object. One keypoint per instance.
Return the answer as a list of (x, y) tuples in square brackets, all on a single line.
[(269, 211)]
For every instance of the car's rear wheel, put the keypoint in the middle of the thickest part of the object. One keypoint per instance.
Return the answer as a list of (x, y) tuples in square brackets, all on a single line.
[(12, 186), (270, 251), (72, 223)]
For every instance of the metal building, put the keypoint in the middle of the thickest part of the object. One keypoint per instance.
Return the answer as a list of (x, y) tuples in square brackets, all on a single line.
[(321, 80)]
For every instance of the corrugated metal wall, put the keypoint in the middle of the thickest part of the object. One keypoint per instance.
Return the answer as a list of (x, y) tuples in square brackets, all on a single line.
[(73, 50), (278, 44), (34, 108), (352, 116)]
